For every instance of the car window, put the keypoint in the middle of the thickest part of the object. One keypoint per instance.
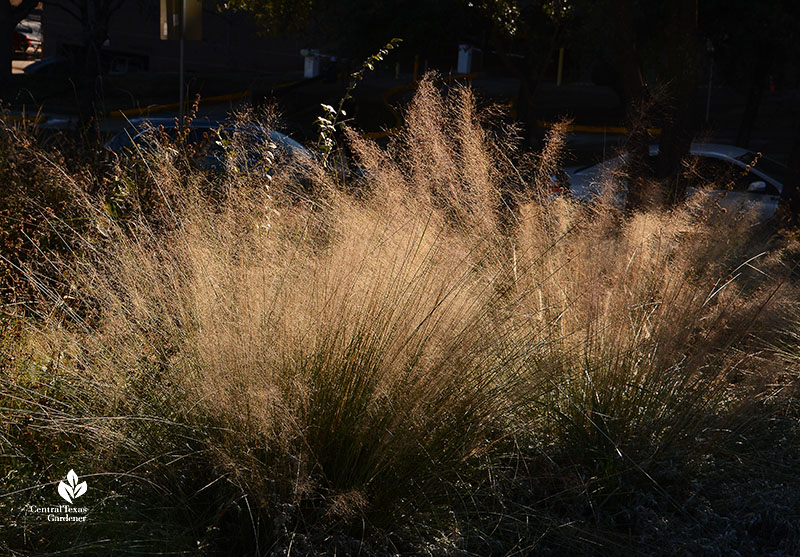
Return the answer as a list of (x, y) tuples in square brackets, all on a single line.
[(151, 134), (774, 169), (720, 174), (701, 172)]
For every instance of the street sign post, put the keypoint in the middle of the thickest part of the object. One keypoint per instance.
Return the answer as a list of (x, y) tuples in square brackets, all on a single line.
[(181, 20), (171, 16)]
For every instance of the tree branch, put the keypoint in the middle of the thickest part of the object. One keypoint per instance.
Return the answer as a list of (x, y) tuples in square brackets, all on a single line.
[(115, 6), (18, 13), (75, 15)]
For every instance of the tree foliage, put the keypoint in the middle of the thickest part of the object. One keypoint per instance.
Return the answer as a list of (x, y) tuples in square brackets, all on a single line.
[(276, 16), (357, 27)]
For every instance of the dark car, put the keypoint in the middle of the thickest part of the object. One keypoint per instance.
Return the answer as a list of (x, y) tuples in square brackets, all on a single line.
[(52, 65), (751, 182), (209, 140), (27, 38)]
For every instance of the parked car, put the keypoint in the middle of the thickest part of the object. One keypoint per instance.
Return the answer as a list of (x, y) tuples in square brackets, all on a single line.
[(123, 65), (748, 180), (52, 65), (28, 37), (208, 138), (31, 27), (20, 43)]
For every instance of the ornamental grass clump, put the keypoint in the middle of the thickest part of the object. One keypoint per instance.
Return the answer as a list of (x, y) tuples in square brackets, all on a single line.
[(285, 360)]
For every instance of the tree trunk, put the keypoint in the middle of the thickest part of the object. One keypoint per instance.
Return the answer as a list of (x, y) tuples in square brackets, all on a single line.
[(638, 166), (676, 140), (527, 87), (6, 54), (677, 131), (632, 84), (754, 95), (97, 16), (529, 80), (790, 196), (9, 17), (7, 25), (635, 98), (525, 104)]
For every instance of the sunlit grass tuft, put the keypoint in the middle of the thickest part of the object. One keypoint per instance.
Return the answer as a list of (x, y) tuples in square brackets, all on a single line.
[(270, 356)]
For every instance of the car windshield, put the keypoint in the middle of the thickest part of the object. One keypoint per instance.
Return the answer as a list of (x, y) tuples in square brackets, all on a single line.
[(771, 168)]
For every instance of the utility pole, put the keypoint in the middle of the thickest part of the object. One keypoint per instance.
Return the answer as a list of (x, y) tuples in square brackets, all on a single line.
[(181, 93), (710, 49), (181, 20)]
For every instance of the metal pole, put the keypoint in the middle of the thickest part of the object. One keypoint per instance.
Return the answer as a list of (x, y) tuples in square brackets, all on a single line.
[(560, 73), (708, 98), (181, 93), (710, 49)]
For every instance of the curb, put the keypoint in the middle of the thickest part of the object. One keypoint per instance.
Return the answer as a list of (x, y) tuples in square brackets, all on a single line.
[(129, 112), (596, 129)]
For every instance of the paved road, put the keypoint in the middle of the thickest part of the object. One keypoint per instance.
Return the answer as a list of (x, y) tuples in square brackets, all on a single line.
[(18, 65)]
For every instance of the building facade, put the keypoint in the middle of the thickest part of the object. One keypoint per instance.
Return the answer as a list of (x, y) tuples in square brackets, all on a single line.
[(230, 42)]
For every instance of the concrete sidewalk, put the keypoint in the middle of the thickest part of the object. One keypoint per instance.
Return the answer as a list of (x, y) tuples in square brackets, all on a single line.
[(17, 66)]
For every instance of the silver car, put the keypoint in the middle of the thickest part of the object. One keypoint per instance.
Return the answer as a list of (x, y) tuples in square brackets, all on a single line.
[(749, 181)]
